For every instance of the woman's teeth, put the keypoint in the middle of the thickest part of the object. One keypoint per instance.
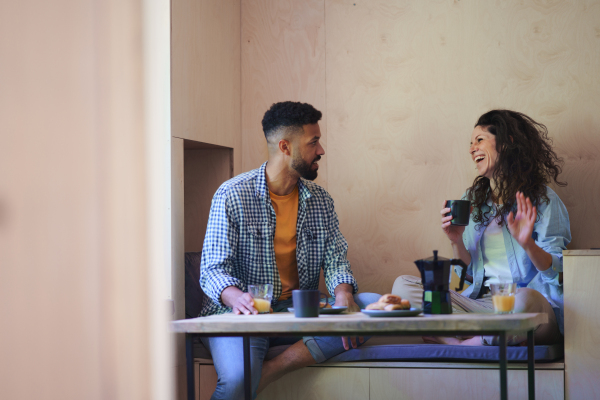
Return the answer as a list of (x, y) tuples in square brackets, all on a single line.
[(479, 158)]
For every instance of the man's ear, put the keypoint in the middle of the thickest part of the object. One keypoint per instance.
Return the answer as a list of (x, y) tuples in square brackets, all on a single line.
[(284, 147)]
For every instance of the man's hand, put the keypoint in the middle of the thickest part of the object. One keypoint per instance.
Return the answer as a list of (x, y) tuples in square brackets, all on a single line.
[(240, 302), (344, 297)]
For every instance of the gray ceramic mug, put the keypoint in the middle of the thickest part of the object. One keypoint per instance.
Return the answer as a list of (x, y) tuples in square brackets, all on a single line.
[(307, 303)]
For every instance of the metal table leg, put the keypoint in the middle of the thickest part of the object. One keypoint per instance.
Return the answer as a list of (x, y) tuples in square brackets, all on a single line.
[(247, 370), (189, 364), (531, 365), (503, 367)]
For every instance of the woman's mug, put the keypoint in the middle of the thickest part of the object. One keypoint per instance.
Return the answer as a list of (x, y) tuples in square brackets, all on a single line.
[(460, 211)]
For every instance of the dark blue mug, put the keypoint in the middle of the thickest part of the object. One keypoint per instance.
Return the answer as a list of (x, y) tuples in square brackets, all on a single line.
[(307, 303), (460, 211)]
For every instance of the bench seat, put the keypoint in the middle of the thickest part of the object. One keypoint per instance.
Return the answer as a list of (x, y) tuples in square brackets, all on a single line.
[(423, 353)]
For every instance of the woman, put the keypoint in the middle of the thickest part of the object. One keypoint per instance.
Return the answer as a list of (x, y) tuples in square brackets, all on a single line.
[(518, 225)]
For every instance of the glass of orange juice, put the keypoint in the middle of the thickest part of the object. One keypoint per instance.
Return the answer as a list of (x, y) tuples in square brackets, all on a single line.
[(261, 295), (503, 297)]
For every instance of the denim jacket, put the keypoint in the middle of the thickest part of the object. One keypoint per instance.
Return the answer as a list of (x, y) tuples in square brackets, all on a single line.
[(552, 233), (238, 247)]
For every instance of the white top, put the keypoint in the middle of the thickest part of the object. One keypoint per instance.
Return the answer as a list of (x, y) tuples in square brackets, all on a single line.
[(495, 262)]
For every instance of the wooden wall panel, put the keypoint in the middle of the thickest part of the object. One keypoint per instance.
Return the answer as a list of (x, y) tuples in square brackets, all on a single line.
[(283, 58), (205, 65), (205, 171), (406, 82), (320, 383), (582, 317), (207, 376), (178, 262), (408, 384)]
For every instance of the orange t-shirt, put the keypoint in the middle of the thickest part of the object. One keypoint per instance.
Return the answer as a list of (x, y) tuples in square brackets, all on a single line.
[(286, 211)]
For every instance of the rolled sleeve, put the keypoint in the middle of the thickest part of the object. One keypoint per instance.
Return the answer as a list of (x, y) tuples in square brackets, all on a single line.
[(553, 234), (551, 275), (220, 244)]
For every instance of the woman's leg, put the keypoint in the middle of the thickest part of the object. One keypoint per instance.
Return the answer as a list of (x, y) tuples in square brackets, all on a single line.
[(531, 301), (409, 287)]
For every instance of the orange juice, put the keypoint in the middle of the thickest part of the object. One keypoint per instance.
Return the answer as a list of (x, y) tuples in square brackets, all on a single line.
[(262, 305), (503, 304)]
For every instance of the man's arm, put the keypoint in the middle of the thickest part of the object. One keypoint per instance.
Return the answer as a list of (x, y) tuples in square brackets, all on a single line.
[(344, 297), (337, 272), (336, 267), (219, 249)]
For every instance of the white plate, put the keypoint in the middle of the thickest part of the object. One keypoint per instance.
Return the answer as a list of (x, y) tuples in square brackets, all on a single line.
[(394, 313)]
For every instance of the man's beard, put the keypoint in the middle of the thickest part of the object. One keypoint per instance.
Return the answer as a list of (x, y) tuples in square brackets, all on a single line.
[(304, 169)]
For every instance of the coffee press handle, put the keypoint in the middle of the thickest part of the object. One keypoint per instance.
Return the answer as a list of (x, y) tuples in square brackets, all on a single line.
[(463, 273)]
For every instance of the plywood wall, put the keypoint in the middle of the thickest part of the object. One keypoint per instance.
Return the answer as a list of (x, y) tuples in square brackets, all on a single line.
[(405, 82), (206, 77), (283, 59)]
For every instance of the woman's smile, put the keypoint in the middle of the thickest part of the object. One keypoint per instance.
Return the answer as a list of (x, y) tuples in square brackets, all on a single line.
[(483, 151)]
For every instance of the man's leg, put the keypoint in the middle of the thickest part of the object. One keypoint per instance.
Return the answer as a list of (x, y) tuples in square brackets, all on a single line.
[(299, 355), (294, 357), (227, 354)]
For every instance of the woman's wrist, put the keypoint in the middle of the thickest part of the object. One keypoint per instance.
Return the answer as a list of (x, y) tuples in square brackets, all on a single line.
[(529, 245), (541, 259), (458, 245)]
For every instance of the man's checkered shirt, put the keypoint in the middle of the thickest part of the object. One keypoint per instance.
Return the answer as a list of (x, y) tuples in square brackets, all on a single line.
[(238, 247)]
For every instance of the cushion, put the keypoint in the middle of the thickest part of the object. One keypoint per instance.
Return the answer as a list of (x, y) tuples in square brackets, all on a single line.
[(194, 296), (450, 353), (423, 353)]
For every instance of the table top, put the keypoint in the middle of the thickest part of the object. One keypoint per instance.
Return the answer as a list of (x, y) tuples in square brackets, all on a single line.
[(287, 323)]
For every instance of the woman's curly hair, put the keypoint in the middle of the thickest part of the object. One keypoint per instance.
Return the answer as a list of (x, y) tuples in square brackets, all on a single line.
[(526, 163)]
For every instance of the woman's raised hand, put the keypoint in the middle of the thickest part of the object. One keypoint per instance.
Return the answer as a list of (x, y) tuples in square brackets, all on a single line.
[(521, 225), (454, 232)]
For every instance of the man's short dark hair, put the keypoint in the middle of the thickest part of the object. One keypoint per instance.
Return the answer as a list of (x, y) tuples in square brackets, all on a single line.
[(289, 114)]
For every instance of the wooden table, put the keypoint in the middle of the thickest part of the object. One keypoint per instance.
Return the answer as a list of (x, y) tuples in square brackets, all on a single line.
[(358, 324)]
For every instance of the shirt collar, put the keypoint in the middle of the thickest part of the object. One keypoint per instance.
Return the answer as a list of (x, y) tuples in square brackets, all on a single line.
[(262, 189)]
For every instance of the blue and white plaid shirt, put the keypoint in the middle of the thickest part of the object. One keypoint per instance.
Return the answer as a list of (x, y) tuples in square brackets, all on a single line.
[(238, 247)]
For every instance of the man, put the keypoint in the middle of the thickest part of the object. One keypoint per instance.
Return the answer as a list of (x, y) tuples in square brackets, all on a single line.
[(273, 225)]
